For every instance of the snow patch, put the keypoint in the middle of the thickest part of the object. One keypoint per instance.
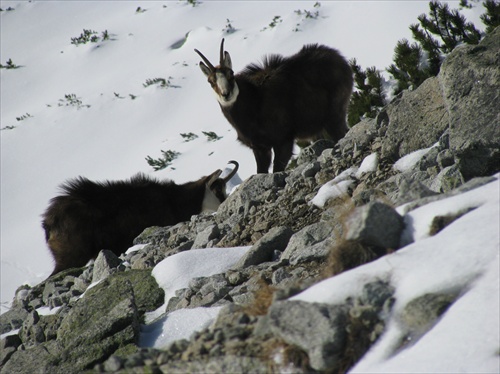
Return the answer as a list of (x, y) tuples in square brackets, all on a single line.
[(407, 162)]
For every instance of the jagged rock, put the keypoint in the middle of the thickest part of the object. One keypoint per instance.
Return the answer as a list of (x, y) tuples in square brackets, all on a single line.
[(375, 224), (8, 346), (250, 193), (317, 252), (311, 153), (310, 170), (12, 319), (102, 321), (420, 314), (448, 179), (148, 296), (470, 78), (31, 332), (445, 158), (410, 188), (205, 236), (359, 136), (470, 185), (104, 265), (263, 250), (305, 238), (417, 120), (316, 328)]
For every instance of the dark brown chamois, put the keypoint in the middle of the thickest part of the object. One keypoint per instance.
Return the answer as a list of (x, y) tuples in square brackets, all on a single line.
[(283, 99), (91, 216)]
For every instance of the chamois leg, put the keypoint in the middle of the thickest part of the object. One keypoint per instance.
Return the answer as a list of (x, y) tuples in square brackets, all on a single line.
[(337, 126), (282, 154), (263, 158)]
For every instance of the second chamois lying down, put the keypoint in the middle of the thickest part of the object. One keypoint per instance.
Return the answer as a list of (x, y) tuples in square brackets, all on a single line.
[(91, 216)]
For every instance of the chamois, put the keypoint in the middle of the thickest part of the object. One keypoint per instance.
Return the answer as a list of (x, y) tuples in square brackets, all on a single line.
[(283, 99), (91, 216)]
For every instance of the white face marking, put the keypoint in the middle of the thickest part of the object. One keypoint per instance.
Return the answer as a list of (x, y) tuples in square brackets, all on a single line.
[(224, 87), (210, 201)]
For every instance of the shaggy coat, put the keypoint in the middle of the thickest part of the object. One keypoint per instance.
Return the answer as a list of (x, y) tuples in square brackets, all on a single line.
[(282, 99), (91, 216)]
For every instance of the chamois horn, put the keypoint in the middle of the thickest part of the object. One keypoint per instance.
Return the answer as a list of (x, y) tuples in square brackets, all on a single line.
[(209, 64), (221, 52), (232, 173)]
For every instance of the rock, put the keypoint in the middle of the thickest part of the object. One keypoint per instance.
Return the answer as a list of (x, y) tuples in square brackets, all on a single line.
[(204, 237), (100, 322), (12, 319), (470, 78), (317, 252), (311, 153), (262, 251), (310, 170), (105, 312), (8, 346), (42, 358), (416, 120), (148, 296), (316, 328), (375, 224), (31, 332), (445, 158), (250, 193), (104, 265), (359, 136), (307, 237), (448, 179), (420, 314)]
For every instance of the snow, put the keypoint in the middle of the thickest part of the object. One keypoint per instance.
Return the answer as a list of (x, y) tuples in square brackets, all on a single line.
[(339, 186), (462, 258), (174, 273), (417, 221), (407, 162), (121, 122), (368, 165), (330, 191), (179, 324)]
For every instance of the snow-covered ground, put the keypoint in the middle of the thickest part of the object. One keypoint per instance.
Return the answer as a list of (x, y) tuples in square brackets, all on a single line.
[(113, 122), (463, 258)]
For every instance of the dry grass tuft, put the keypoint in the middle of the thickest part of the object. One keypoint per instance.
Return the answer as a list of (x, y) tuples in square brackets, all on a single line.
[(283, 357), (262, 299)]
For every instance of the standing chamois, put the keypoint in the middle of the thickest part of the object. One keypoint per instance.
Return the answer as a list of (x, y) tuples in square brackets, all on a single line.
[(91, 216), (283, 99)]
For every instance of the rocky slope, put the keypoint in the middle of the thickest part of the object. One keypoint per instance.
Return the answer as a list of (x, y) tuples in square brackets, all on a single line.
[(294, 245)]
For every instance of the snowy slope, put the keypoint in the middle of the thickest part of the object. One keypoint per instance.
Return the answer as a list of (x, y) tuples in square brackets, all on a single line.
[(463, 258), (119, 121)]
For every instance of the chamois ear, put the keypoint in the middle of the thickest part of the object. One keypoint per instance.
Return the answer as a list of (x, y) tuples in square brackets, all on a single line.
[(205, 69), (227, 61)]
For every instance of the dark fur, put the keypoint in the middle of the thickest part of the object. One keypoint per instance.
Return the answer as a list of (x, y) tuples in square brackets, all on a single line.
[(287, 98), (91, 216)]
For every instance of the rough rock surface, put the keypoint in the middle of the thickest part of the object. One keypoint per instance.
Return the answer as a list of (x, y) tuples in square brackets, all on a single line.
[(294, 245)]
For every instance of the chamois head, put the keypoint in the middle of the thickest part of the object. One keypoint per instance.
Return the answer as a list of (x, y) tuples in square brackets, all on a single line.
[(215, 188), (221, 77)]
